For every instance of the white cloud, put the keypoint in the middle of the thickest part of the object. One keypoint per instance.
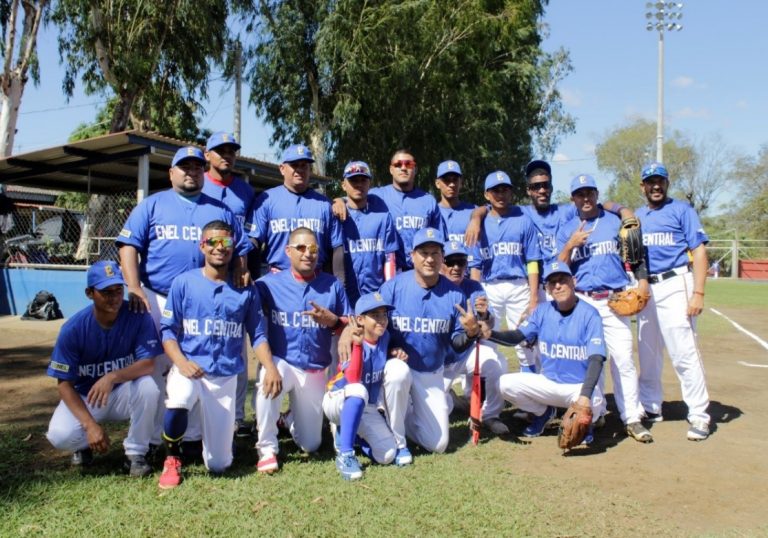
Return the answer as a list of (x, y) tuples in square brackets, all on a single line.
[(570, 98), (688, 112), (683, 82), (560, 157)]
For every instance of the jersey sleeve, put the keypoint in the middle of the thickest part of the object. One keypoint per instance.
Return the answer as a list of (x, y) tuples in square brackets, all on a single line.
[(694, 231), (342, 303), (531, 326), (436, 219), (563, 235), (594, 331), (258, 218), (147, 342), (335, 232), (532, 247), (135, 231), (172, 317), (255, 323), (242, 243), (390, 235), (65, 356)]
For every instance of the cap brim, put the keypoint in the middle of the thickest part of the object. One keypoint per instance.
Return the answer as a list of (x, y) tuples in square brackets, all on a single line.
[(109, 282)]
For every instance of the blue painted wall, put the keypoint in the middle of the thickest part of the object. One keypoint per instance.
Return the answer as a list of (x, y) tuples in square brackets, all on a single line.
[(19, 286)]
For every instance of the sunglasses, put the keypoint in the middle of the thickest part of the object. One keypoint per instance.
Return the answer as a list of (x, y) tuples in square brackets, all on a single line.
[(356, 169), (304, 248), (405, 163), (546, 185), (455, 261), (224, 242)]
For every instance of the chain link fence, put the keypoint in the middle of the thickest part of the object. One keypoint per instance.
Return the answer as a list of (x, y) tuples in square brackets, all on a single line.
[(726, 256), (76, 235)]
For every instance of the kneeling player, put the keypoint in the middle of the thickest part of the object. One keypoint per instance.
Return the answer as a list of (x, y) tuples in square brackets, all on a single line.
[(570, 336), (203, 326), (350, 404)]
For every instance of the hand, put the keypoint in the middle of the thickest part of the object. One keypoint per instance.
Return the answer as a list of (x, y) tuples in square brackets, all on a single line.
[(100, 391), (272, 383), (643, 287), (468, 320), (472, 233), (357, 334), (528, 310), (241, 277), (339, 209), (580, 236), (485, 329), (695, 305), (191, 370), (398, 353), (137, 300), (322, 315), (345, 340), (98, 439), (481, 307)]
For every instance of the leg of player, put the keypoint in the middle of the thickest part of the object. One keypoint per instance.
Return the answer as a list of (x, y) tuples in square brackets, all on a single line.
[(217, 407), (138, 400), (396, 392), (650, 348), (267, 414), (492, 365), (182, 394), (428, 423), (241, 427)]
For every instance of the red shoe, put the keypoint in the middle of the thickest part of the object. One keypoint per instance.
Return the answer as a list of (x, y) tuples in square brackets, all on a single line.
[(268, 464), (171, 476)]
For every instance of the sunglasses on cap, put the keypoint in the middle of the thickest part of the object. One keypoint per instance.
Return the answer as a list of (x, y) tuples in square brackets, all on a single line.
[(356, 169), (546, 185), (304, 248), (213, 242), (405, 163)]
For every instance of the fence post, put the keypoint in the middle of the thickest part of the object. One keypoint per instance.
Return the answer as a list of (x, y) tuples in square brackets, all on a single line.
[(143, 180), (735, 258)]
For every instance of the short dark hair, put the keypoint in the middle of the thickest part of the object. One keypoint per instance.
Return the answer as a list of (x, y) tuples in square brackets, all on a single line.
[(301, 230), (217, 225), (402, 150), (538, 172)]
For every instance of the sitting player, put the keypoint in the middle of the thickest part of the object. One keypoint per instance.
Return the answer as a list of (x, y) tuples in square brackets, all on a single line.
[(203, 326), (350, 404)]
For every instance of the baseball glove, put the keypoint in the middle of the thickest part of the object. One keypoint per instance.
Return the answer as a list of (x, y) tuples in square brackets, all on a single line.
[(574, 426), (631, 241), (628, 302)]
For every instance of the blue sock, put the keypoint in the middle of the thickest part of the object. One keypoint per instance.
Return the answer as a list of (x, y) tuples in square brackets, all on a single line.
[(351, 414), (174, 426)]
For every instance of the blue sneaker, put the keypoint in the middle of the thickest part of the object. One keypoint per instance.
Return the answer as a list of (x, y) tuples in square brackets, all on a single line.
[(348, 466), (403, 457), (590, 437), (365, 448), (536, 428)]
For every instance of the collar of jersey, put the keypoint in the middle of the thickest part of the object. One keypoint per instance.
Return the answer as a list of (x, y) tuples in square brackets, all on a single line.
[(219, 182)]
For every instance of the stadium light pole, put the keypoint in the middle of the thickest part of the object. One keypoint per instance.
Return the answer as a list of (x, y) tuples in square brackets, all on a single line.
[(662, 17)]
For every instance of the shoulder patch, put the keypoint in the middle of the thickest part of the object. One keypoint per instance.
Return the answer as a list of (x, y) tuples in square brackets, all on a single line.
[(125, 233), (597, 341), (60, 367), (167, 313)]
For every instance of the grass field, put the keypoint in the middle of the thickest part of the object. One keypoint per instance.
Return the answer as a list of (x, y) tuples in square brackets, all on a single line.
[(495, 489)]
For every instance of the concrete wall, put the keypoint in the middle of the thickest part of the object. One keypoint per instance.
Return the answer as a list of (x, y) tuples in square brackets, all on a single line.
[(19, 286)]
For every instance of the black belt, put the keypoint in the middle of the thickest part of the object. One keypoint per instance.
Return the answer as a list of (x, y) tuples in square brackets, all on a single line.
[(599, 294), (659, 277)]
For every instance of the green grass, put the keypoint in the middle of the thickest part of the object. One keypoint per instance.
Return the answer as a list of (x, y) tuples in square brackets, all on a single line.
[(724, 292)]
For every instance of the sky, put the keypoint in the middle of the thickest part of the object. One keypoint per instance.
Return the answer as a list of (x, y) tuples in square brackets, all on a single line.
[(714, 82)]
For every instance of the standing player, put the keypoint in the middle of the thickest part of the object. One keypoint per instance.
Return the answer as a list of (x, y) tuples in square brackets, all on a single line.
[(280, 210), (590, 244), (672, 229), (508, 264), (570, 339), (492, 363), (370, 238), (159, 241), (103, 360), (223, 185), (351, 402), (204, 325), (427, 323), (304, 308), (455, 212)]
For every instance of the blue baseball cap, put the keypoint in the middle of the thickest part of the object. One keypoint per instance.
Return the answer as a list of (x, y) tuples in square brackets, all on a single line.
[(357, 168), (371, 301), (103, 274), (428, 235), (654, 169), (555, 267), (583, 181), (448, 167), (535, 164), (219, 139), (189, 152), (296, 152), (494, 179), (454, 248)]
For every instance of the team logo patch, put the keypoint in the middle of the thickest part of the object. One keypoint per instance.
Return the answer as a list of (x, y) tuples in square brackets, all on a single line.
[(454, 245), (125, 233), (582, 179), (300, 150), (109, 271), (430, 232), (451, 165), (378, 296), (60, 367), (597, 341), (167, 313), (190, 152), (499, 176)]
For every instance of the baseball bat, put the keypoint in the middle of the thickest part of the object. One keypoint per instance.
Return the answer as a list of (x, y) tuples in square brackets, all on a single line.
[(476, 400)]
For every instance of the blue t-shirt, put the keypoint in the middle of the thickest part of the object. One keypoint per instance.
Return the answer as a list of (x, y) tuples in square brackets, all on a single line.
[(565, 342), (506, 246), (424, 321), (210, 319), (372, 375), (166, 230), (669, 232), (237, 196), (85, 351), (456, 220)]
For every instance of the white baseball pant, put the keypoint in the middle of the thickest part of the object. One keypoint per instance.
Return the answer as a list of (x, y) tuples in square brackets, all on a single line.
[(534, 392), (492, 366), (509, 299), (665, 322), (135, 400), (214, 396), (241, 393)]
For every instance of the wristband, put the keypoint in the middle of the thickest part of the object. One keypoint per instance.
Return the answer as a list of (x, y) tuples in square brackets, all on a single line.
[(699, 293)]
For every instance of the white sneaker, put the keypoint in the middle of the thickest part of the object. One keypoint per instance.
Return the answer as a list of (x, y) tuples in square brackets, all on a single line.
[(698, 431)]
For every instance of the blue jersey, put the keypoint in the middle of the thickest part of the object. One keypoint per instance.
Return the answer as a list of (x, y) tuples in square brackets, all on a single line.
[(166, 229), (565, 342), (237, 196), (547, 224), (278, 211), (85, 351), (372, 374), (411, 211), (669, 232), (210, 320), (456, 220), (423, 321), (596, 265), (506, 246), (471, 290), (369, 236), (295, 337)]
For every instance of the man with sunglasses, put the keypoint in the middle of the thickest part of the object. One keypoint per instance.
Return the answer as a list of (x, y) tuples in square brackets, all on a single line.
[(204, 325), (160, 240), (370, 237), (304, 308), (103, 361), (278, 211)]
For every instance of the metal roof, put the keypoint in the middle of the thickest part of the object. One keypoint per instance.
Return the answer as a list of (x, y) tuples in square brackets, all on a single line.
[(109, 163)]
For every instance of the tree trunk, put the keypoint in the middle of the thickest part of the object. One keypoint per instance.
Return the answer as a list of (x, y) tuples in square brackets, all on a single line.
[(9, 114), (317, 145)]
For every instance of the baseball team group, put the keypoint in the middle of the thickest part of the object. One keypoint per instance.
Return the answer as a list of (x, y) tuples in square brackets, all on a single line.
[(370, 308)]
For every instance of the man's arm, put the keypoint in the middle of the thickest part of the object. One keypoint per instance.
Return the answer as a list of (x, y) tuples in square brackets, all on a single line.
[(472, 235), (618, 209), (129, 264), (577, 239), (338, 265), (187, 367), (272, 384), (98, 439), (100, 391), (533, 283), (696, 302)]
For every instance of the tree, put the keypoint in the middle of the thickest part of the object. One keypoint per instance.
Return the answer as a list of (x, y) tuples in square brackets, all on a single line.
[(19, 61), (449, 79), (751, 216), (154, 57)]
